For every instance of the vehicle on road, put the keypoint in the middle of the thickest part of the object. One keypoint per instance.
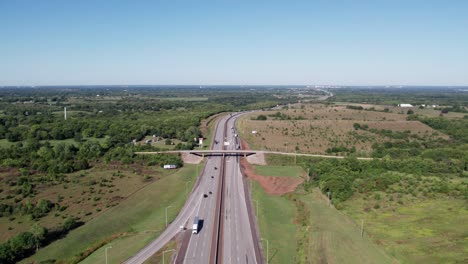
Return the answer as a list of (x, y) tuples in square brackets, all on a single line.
[(205, 195), (196, 220)]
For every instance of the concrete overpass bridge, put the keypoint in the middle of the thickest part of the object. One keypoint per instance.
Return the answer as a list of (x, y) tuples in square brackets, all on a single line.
[(205, 153), (244, 153)]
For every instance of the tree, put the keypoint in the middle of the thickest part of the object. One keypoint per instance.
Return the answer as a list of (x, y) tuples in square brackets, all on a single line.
[(78, 137), (39, 234)]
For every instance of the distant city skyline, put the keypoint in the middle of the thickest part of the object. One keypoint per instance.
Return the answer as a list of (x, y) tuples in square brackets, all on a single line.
[(346, 43)]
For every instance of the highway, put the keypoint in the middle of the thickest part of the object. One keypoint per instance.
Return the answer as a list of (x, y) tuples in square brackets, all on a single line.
[(227, 234), (238, 239)]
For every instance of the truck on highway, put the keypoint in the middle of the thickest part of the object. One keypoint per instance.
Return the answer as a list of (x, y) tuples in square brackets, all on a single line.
[(196, 220)]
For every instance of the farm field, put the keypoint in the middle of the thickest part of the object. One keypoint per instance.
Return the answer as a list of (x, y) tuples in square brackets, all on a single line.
[(140, 219), (318, 128)]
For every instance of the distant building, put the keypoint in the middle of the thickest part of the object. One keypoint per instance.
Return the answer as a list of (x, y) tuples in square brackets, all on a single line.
[(169, 166), (405, 105), (254, 131)]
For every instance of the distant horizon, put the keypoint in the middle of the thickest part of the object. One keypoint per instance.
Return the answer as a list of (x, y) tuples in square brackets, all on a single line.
[(240, 85)]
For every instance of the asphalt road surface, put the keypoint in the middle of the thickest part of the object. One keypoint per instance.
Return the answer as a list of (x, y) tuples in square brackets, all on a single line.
[(238, 243), (236, 233)]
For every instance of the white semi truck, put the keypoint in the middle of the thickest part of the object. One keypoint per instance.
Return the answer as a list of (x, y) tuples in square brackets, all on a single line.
[(196, 220)]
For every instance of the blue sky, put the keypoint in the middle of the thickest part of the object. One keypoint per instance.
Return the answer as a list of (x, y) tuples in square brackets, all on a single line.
[(234, 42)]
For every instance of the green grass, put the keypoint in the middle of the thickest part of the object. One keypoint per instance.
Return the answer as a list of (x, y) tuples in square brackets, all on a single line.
[(140, 218), (276, 216), (158, 256), (162, 143), (419, 231), (328, 236), (302, 228), (279, 171)]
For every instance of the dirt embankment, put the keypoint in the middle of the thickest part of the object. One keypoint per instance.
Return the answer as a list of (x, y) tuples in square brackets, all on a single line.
[(271, 185), (191, 159)]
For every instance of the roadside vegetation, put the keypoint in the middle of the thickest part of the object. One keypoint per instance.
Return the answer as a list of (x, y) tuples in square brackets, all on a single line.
[(411, 199), (59, 175)]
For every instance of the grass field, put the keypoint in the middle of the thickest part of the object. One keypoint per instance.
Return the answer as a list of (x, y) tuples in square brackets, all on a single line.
[(276, 223), (302, 228), (419, 231), (280, 171), (315, 128), (83, 195), (162, 143), (134, 222), (328, 236)]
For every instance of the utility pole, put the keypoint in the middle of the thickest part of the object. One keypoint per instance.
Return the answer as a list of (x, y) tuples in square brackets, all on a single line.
[(109, 247)]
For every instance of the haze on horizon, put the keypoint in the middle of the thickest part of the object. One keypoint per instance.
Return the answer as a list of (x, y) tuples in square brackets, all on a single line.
[(225, 42)]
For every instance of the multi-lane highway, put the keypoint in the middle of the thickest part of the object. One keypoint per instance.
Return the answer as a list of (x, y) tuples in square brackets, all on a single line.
[(227, 233), (238, 231)]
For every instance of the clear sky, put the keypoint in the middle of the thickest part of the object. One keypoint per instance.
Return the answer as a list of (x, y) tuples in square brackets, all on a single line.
[(234, 42)]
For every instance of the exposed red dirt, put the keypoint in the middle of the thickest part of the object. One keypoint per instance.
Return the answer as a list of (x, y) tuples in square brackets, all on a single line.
[(271, 185)]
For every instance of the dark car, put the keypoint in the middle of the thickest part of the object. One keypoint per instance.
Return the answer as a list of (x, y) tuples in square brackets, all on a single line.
[(205, 195)]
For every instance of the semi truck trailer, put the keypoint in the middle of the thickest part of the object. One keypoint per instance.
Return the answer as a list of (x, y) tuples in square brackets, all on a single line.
[(196, 220)]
